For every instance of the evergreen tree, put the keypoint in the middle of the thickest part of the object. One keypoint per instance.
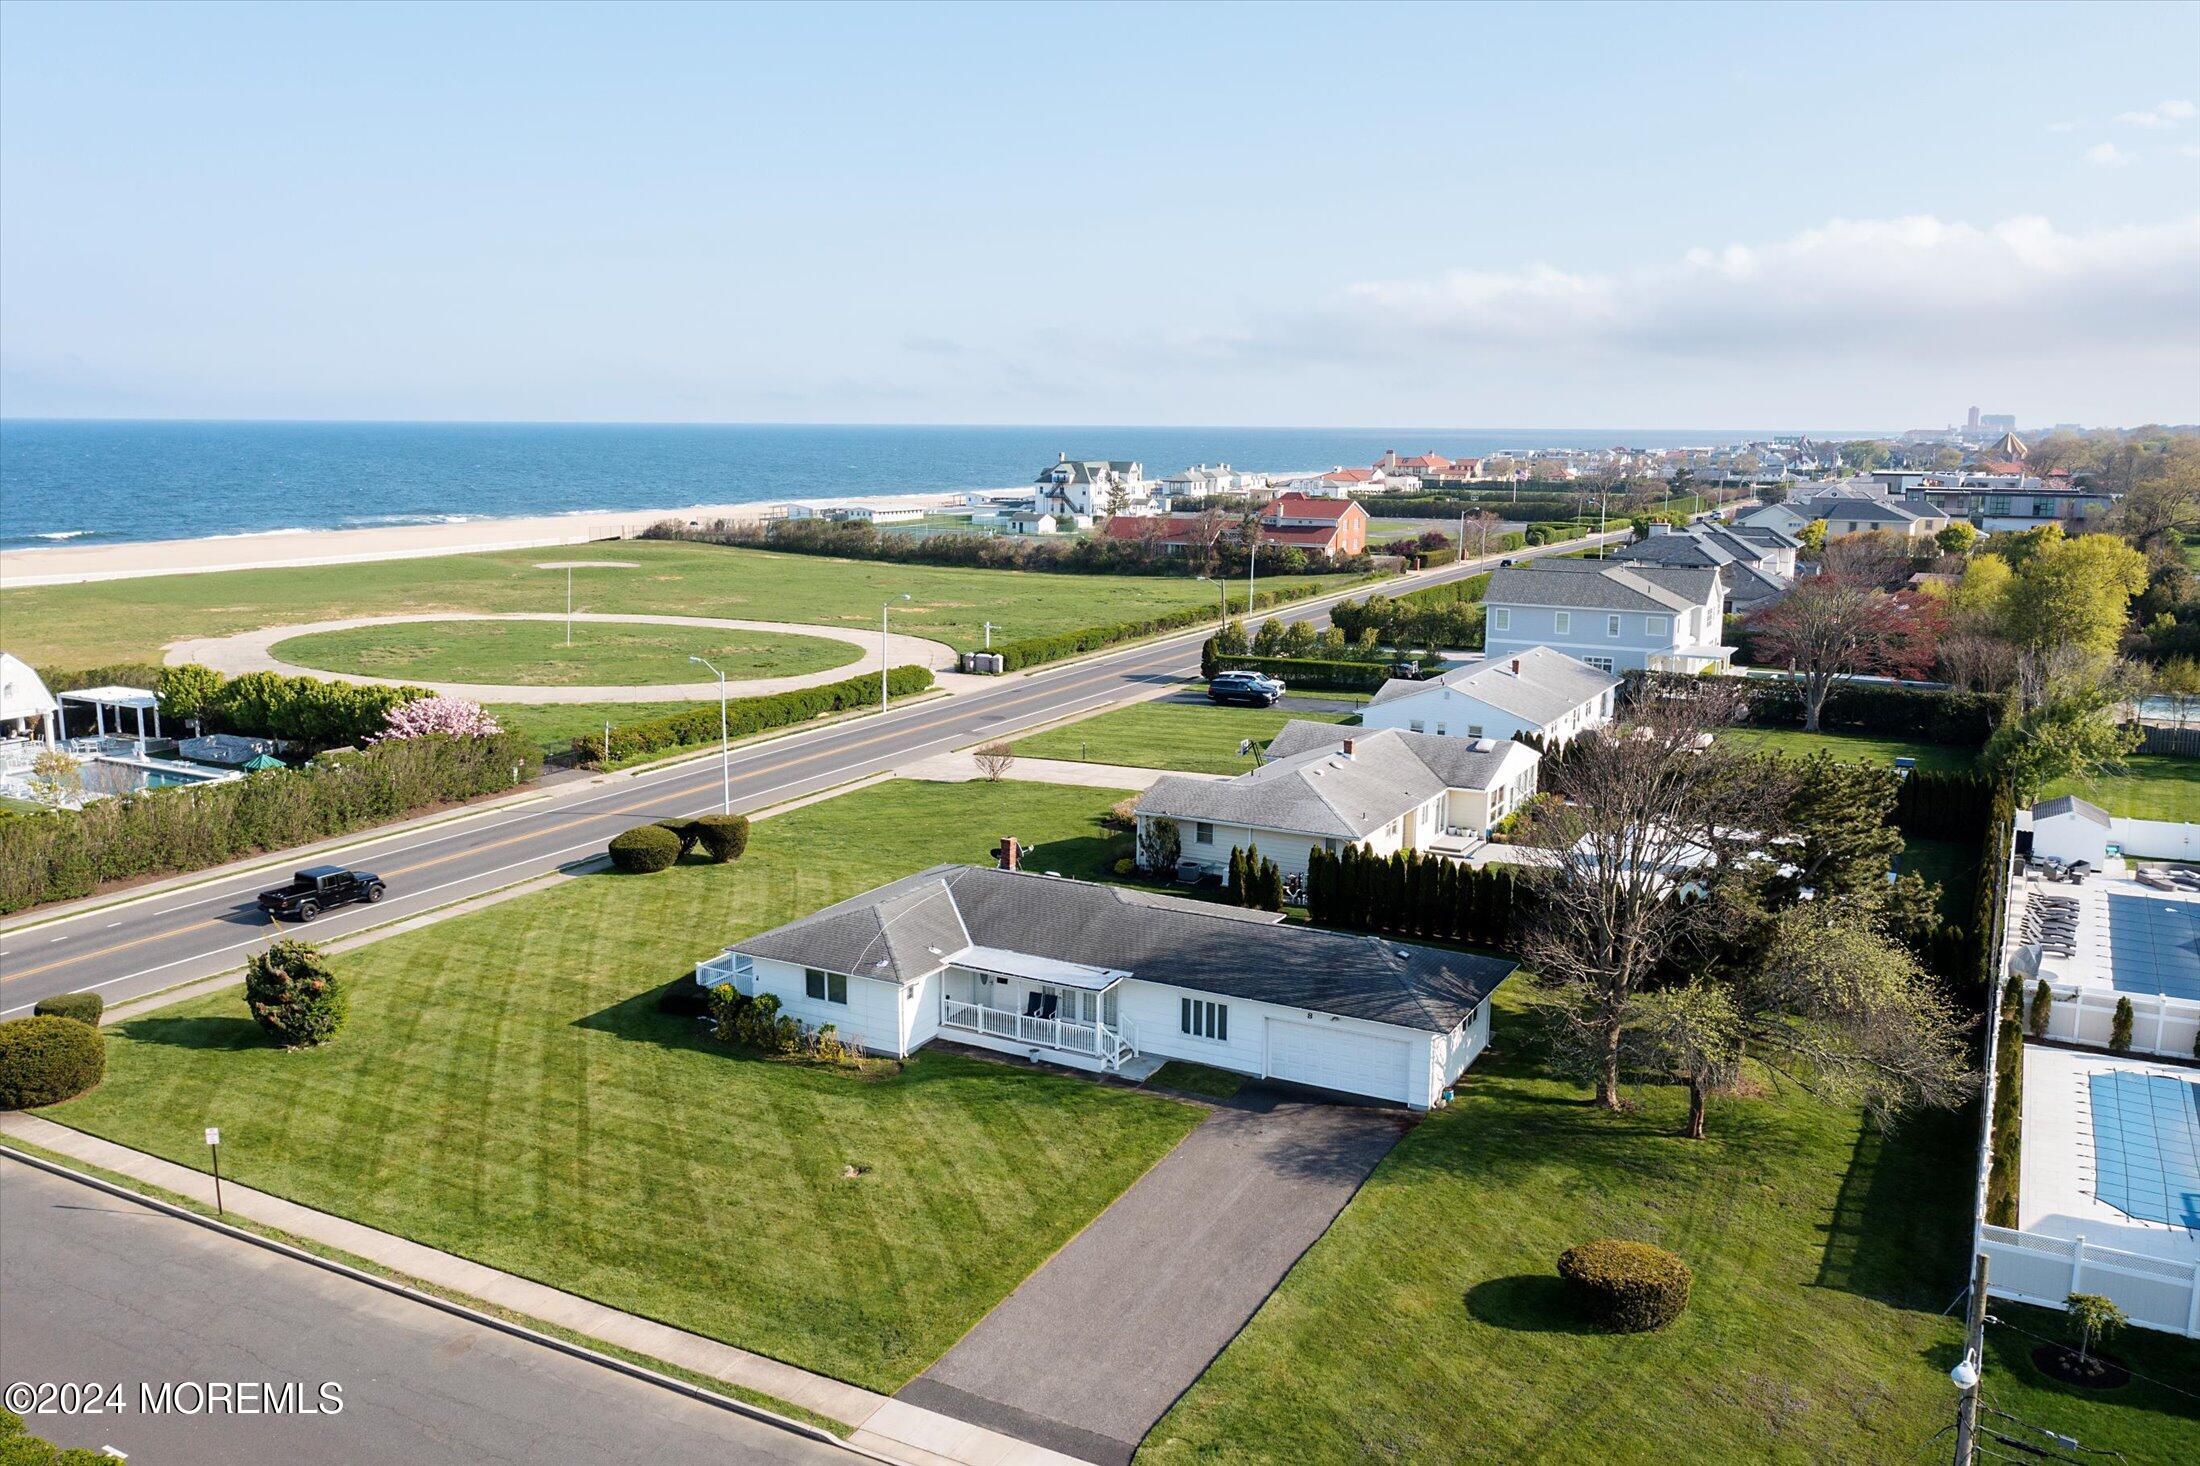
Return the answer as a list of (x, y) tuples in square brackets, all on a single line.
[(1234, 886)]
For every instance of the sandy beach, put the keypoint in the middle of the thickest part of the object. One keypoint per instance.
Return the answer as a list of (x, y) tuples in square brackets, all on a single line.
[(65, 564)]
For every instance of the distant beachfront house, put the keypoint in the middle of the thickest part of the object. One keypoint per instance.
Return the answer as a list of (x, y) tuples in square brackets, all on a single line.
[(1330, 528), (859, 513), (1093, 487), (1615, 616), (1205, 481), (1033, 521), (1341, 481)]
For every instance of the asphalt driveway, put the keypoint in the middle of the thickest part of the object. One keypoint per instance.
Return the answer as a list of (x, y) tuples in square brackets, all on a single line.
[(1097, 1344)]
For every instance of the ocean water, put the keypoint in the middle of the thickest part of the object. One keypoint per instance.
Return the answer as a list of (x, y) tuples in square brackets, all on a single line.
[(118, 482)]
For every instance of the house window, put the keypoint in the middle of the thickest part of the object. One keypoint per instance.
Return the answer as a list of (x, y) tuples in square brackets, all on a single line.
[(1562, 622), (1501, 618), (1602, 664), (1474, 730), (1655, 625), (1203, 833), (1203, 1019), (825, 987), (1611, 626), (1416, 725)]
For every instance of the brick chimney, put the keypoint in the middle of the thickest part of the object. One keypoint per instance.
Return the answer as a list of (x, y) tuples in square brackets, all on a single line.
[(1516, 666), (1009, 853), (1348, 748)]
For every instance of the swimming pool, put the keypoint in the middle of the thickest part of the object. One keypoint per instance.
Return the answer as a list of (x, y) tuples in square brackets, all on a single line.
[(2154, 945), (2146, 1145)]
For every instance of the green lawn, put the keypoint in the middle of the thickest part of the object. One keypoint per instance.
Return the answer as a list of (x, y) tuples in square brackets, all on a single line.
[(1188, 1078), (126, 620), (1199, 738), (1428, 1325), (1795, 743), (535, 654), (554, 725), (2151, 786), (506, 1090)]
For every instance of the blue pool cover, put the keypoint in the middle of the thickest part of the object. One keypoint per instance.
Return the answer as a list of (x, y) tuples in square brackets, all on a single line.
[(2154, 945), (2146, 1145)]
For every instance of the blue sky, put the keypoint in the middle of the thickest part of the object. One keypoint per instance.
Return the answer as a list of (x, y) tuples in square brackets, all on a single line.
[(1517, 216)]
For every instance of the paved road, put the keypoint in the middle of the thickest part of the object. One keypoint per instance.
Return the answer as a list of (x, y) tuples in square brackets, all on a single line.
[(142, 947), (102, 1289), (1095, 1346)]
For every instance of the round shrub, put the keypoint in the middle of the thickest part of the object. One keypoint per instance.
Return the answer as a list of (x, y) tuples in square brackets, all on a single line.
[(1628, 1287), (83, 1007), (724, 836), (293, 994), (644, 848), (45, 1059)]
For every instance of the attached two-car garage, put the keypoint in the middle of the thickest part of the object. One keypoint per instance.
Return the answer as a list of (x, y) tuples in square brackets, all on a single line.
[(1350, 1060)]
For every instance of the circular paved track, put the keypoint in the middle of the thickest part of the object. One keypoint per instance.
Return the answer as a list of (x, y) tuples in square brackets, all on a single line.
[(250, 652)]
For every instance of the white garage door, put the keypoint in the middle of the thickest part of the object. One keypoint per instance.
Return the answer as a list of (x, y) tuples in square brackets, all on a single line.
[(1330, 1056)]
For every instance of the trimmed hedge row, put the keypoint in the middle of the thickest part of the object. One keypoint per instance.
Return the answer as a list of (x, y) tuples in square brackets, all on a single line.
[(1627, 1287), (1944, 806), (1413, 894), (45, 1059), (2006, 1130), (1300, 671), (1033, 651), (1934, 715), (55, 855), (698, 726)]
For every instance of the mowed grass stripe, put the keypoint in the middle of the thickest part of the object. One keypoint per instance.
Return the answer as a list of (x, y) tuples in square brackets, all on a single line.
[(506, 1090)]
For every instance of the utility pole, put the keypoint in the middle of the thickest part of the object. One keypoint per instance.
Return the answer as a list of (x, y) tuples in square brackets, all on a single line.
[(1967, 1373)]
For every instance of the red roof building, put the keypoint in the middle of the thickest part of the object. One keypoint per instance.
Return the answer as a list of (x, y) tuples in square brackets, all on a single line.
[(1327, 527)]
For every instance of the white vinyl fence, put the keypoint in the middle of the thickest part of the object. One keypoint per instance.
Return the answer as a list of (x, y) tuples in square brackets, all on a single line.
[(2159, 1025), (2153, 1292)]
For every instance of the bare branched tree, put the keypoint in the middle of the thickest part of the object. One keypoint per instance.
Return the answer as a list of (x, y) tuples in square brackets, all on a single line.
[(994, 760), (1648, 813)]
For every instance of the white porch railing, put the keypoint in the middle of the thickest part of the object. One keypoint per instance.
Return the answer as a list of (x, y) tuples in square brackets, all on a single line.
[(1096, 1039), (724, 968), (2154, 1292)]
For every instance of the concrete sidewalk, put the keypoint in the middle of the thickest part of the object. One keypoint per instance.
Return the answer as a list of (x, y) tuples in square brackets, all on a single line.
[(962, 767), (889, 1427)]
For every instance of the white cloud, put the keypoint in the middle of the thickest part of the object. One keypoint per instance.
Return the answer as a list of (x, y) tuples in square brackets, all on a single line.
[(1852, 286), (2107, 155), (2160, 115), (2062, 127)]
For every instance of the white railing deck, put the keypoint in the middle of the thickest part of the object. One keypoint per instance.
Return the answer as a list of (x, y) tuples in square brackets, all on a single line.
[(1097, 1039)]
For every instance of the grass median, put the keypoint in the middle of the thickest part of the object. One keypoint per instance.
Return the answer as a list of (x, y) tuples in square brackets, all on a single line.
[(1198, 738)]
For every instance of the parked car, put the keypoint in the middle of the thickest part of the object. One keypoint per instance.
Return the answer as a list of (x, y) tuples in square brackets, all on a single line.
[(1252, 689), (318, 887), (1406, 670)]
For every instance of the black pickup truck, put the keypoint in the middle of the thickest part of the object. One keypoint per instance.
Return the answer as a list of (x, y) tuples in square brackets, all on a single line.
[(318, 887)]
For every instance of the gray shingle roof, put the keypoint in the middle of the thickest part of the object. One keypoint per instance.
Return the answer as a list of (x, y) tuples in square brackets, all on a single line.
[(1867, 511), (2071, 804), (1310, 787), (1602, 585), (1163, 939), (1548, 685)]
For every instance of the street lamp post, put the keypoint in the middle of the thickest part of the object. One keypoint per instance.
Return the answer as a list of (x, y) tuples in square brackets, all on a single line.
[(1222, 591), (214, 1144), (725, 744), (882, 656)]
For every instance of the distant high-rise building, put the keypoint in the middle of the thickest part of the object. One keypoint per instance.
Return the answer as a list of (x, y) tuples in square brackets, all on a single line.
[(1973, 424)]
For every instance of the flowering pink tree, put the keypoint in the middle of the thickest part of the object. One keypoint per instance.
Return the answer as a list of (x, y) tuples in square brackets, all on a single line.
[(456, 716)]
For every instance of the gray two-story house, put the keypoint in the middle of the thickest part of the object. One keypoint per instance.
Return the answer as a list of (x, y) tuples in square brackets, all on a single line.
[(1614, 615)]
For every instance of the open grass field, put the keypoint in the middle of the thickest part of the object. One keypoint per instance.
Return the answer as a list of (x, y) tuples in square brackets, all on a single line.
[(1428, 1324), (2150, 786), (1795, 743), (129, 620), (535, 654), (506, 1090), (1198, 738), (554, 725)]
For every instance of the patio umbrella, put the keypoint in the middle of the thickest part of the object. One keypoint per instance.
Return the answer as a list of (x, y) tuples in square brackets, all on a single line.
[(264, 761)]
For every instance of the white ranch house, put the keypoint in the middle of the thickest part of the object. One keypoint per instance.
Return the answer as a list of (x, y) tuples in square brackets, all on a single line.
[(1330, 787), (1536, 691), (1613, 615), (1107, 977)]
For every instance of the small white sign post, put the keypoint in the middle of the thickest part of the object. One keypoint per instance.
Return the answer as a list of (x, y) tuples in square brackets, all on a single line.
[(214, 1144)]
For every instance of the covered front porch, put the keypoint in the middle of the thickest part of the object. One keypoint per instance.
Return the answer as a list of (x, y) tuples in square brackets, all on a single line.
[(1693, 661), (1017, 1002)]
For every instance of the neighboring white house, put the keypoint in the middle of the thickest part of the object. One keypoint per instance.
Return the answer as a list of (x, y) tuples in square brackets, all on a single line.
[(1536, 691), (2069, 829), (1089, 488), (1332, 787), (1032, 521), (1099, 977), (1208, 480), (1614, 615), (1788, 519)]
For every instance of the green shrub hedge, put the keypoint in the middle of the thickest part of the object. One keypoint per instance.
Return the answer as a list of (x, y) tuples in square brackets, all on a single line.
[(644, 849), (1933, 715), (724, 836), (1305, 672), (1627, 1287), (1033, 651), (83, 1007), (294, 994), (45, 1059), (57, 855), (2005, 1129), (682, 831), (745, 716)]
